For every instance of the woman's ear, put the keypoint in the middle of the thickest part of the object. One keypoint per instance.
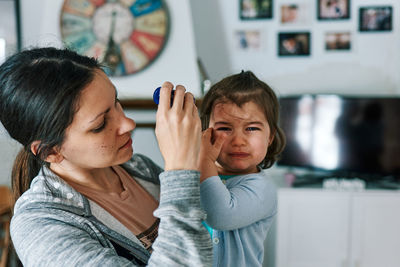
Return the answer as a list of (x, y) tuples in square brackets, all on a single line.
[(53, 157)]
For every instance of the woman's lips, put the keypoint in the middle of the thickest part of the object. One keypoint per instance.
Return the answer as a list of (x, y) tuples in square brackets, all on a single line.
[(127, 144)]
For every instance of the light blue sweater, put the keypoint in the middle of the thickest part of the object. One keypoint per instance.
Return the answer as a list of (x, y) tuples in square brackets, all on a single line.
[(241, 213), (54, 225)]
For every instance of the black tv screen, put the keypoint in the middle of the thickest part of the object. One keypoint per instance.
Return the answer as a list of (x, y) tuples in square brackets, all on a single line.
[(342, 134)]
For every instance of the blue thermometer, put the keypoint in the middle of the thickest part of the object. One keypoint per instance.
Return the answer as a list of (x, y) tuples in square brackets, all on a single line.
[(156, 95)]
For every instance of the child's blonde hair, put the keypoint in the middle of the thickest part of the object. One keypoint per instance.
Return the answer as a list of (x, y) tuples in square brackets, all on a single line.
[(240, 89)]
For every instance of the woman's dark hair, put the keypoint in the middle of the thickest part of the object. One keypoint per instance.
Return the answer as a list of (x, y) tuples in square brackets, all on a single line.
[(240, 89), (39, 92)]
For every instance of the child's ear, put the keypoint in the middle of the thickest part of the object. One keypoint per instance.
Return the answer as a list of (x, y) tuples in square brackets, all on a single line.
[(271, 139), (53, 157)]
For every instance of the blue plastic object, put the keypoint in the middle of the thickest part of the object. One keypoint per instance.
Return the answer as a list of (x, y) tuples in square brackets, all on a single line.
[(156, 95)]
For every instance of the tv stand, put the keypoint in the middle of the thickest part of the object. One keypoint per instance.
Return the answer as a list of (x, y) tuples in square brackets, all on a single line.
[(309, 181), (371, 182)]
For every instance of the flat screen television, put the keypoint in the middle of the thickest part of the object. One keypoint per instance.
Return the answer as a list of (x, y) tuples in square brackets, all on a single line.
[(341, 134)]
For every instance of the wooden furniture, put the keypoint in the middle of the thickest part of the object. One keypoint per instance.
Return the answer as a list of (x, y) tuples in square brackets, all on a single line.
[(5, 218)]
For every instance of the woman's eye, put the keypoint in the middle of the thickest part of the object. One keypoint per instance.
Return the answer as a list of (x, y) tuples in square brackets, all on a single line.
[(100, 128)]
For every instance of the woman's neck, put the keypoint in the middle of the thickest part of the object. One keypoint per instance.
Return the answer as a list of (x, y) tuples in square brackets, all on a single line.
[(100, 179)]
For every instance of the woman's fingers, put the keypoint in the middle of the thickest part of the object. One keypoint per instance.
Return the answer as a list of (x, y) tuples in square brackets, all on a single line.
[(165, 96), (179, 97), (178, 129)]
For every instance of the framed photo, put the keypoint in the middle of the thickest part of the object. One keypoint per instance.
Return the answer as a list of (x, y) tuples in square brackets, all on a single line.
[(333, 9), (255, 9), (294, 13), (338, 41), (248, 40), (294, 44), (10, 34), (375, 18)]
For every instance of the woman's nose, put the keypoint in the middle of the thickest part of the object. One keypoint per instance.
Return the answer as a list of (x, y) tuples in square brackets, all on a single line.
[(127, 125)]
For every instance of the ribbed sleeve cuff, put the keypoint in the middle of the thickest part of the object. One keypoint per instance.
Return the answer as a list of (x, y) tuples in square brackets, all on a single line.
[(180, 194)]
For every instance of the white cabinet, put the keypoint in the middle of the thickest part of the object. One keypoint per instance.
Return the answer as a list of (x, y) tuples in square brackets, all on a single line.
[(320, 228), (375, 230)]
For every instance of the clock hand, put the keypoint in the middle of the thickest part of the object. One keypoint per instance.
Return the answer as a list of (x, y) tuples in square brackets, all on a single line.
[(112, 56)]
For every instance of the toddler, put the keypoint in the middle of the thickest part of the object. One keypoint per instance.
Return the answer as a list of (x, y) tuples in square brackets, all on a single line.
[(241, 137)]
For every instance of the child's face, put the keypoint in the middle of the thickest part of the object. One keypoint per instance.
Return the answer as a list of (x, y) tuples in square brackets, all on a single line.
[(247, 137)]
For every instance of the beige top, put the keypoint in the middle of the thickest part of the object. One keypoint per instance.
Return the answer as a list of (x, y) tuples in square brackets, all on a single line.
[(133, 207)]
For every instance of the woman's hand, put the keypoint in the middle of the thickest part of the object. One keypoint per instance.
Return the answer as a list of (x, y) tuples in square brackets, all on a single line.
[(178, 129), (211, 145)]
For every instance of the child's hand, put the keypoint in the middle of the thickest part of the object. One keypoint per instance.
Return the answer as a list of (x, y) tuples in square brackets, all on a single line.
[(209, 151)]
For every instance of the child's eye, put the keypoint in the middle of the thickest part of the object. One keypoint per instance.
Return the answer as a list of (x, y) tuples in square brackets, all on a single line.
[(100, 128), (223, 129), (252, 129)]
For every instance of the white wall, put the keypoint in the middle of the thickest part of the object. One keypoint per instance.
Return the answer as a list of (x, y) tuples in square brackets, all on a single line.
[(371, 67)]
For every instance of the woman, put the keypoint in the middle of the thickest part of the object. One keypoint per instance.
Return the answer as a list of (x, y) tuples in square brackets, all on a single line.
[(82, 198)]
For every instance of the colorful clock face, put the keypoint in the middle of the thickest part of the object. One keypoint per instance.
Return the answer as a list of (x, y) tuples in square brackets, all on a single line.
[(126, 36)]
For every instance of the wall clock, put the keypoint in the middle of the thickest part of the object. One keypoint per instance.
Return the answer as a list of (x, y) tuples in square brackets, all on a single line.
[(126, 36)]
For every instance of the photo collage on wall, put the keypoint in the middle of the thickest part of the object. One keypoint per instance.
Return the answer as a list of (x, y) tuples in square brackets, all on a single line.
[(299, 13)]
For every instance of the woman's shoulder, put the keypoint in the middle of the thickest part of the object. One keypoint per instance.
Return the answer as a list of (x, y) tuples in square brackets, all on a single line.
[(49, 190)]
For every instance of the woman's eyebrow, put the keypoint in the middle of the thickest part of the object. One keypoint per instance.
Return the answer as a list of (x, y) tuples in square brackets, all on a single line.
[(108, 109), (102, 113)]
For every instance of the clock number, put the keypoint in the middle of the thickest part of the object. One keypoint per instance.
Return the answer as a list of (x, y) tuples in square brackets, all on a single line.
[(143, 7)]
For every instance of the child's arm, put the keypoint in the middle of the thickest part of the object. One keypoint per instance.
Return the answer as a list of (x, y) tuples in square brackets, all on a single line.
[(209, 152), (242, 202)]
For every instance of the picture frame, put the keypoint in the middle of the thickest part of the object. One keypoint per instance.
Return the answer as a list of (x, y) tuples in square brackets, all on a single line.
[(333, 9), (255, 9), (375, 19), (295, 13), (338, 41), (10, 28), (248, 40), (294, 44)]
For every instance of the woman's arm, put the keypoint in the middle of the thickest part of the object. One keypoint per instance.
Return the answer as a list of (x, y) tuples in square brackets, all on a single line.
[(182, 239), (52, 236), (42, 237)]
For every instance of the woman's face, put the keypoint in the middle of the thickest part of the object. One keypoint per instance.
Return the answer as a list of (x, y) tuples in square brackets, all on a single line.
[(100, 133)]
